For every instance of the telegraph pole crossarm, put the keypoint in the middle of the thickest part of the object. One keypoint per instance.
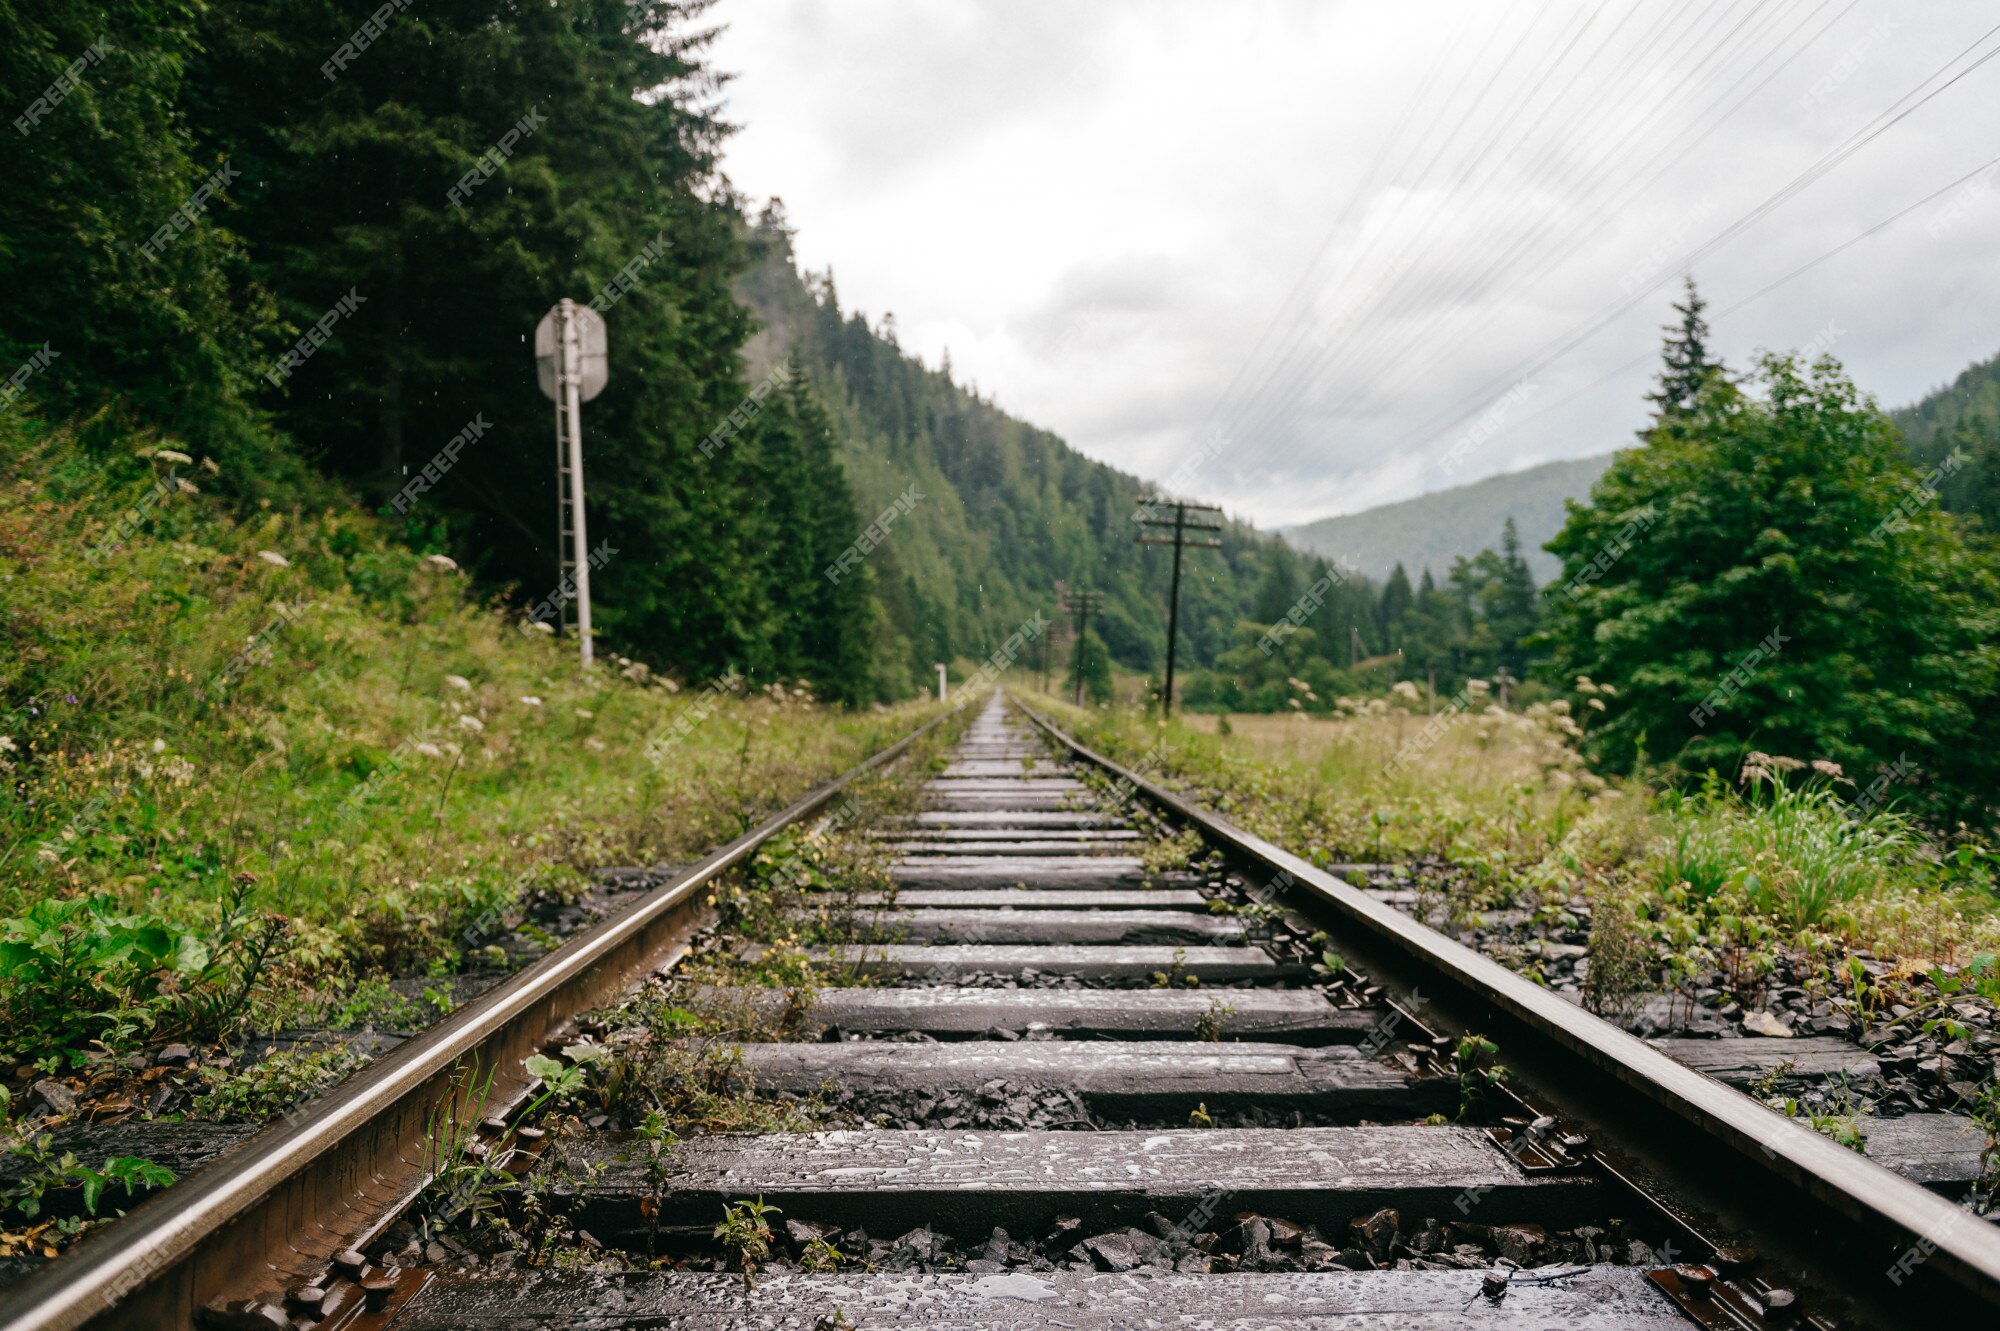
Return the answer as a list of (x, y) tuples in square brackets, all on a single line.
[(1083, 604), (1186, 518)]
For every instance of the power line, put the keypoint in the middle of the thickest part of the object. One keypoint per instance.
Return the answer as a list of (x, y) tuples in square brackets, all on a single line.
[(1389, 350), (1553, 247), (1270, 410), (1991, 164), (1577, 336)]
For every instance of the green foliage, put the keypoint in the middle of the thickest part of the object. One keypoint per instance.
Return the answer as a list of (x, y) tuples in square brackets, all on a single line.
[(1772, 578), (265, 1089), (1798, 852), (746, 1231), (821, 1257), (173, 332), (393, 770), (40, 1170), (1090, 668), (80, 971), (1479, 1077)]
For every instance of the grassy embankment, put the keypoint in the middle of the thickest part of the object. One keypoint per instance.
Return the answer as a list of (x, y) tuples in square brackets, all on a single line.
[(1505, 813), (255, 759)]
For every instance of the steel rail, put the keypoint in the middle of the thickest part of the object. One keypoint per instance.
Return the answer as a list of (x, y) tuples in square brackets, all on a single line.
[(273, 1211), (1889, 1214)]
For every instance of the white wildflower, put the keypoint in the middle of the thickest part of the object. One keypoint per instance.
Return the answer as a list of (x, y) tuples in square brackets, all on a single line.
[(471, 723), (427, 749), (7, 744), (173, 455), (541, 626), (459, 682), (594, 744), (442, 563), (1826, 767), (585, 713), (530, 700), (186, 487), (159, 746), (208, 465), (274, 559), (1595, 704)]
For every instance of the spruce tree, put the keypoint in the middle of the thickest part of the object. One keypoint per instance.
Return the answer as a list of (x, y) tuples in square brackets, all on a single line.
[(1395, 603), (1686, 367), (1514, 608)]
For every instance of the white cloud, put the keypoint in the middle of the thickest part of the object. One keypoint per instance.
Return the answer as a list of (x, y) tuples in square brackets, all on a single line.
[(1100, 208)]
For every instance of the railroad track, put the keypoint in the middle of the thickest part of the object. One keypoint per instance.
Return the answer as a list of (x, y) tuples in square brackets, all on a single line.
[(1084, 1090)]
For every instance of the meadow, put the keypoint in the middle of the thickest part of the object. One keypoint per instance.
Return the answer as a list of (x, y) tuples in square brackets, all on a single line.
[(1500, 810)]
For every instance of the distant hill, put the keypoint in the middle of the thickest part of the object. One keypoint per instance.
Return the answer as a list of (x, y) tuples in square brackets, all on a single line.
[(1432, 530), (1963, 416)]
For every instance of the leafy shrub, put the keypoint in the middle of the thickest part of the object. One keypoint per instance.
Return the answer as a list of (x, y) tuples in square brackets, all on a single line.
[(78, 971)]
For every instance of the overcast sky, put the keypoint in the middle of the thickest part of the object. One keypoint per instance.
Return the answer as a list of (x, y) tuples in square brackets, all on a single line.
[(1305, 257)]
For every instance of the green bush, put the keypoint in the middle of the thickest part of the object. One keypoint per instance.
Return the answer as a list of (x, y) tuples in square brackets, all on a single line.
[(80, 971)]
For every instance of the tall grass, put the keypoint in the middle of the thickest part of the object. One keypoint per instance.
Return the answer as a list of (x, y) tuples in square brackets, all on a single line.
[(1507, 803), (233, 707), (1800, 853)]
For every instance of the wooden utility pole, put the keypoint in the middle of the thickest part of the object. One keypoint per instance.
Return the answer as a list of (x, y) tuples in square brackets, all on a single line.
[(1083, 604), (1152, 513)]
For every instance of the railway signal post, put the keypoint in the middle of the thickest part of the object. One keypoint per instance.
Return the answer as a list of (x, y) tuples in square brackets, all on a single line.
[(571, 366)]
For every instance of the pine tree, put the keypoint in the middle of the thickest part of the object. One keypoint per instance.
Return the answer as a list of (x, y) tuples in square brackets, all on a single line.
[(836, 624), (1395, 603), (1280, 586), (1514, 608), (1686, 367)]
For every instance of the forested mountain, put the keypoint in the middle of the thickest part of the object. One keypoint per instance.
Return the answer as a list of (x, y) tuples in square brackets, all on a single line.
[(1432, 530), (1963, 417), (1008, 511)]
